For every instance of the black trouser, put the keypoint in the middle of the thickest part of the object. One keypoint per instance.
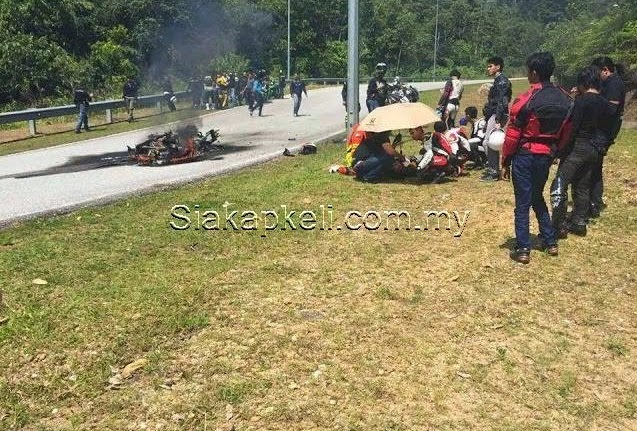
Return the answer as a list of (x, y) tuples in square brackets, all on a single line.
[(597, 183), (574, 170), (597, 179), (259, 99)]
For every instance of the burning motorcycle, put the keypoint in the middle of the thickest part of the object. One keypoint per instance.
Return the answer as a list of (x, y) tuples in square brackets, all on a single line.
[(184, 145)]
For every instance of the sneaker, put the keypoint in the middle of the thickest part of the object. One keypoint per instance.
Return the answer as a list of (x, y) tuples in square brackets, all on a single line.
[(521, 255)]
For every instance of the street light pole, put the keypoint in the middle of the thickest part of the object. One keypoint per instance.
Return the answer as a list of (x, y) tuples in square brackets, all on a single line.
[(288, 40), (352, 64), (436, 41)]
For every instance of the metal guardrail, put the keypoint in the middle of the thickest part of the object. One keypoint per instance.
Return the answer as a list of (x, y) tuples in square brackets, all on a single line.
[(31, 115)]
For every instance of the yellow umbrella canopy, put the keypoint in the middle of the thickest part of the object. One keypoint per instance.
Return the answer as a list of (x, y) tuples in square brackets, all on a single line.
[(398, 116)]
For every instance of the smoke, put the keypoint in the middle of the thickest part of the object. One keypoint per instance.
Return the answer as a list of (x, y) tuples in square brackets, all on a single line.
[(206, 30)]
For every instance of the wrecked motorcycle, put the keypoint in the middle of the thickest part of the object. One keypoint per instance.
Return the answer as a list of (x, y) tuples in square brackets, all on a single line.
[(184, 145)]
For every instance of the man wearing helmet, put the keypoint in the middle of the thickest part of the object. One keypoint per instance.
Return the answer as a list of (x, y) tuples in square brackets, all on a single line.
[(377, 88)]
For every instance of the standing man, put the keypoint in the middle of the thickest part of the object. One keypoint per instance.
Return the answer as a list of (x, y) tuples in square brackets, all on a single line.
[(377, 88), (195, 86), (614, 91), (209, 91), (258, 93), (537, 130), (297, 87), (129, 93), (82, 99), (450, 99), (496, 114), (247, 91), (587, 141)]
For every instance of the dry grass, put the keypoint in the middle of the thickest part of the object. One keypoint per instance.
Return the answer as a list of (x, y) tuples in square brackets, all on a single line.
[(354, 330)]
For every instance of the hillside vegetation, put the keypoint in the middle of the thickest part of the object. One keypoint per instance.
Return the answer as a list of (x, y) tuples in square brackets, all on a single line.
[(46, 47)]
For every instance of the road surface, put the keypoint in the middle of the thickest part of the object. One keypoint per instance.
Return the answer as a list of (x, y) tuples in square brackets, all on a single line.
[(66, 177)]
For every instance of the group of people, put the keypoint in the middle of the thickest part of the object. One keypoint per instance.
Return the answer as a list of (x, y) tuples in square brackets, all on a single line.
[(207, 93), (251, 88), (520, 144), (546, 123), (217, 91)]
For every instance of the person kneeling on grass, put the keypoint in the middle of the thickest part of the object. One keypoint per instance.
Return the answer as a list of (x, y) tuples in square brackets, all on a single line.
[(374, 157)]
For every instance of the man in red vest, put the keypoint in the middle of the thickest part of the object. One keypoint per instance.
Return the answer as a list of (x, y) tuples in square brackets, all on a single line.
[(538, 127)]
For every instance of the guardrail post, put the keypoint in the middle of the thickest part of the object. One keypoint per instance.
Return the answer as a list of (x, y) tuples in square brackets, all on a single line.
[(109, 116), (32, 130), (159, 106)]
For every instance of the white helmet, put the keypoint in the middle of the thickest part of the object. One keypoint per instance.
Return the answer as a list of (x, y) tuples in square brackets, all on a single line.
[(496, 140)]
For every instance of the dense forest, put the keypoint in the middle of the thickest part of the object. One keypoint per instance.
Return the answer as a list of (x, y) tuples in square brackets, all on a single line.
[(48, 46)]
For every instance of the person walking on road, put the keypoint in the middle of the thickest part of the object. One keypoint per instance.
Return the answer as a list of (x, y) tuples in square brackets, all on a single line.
[(258, 93), (297, 88)]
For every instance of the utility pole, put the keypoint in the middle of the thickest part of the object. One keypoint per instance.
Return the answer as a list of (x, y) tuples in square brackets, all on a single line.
[(352, 64), (288, 76), (436, 41)]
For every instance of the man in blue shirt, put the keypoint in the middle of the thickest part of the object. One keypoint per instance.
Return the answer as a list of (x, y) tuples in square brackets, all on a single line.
[(297, 88), (258, 92)]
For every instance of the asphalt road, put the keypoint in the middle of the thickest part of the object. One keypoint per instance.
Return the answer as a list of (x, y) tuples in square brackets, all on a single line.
[(59, 179)]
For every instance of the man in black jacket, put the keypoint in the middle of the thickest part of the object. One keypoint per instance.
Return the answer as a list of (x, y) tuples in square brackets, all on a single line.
[(496, 112), (377, 88), (129, 94), (614, 91), (81, 99)]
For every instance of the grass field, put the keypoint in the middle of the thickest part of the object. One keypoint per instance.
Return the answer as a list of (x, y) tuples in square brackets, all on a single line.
[(113, 320)]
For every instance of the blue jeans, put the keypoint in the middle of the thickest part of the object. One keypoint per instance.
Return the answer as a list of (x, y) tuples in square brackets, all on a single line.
[(297, 103), (374, 167), (372, 104), (529, 173), (82, 119)]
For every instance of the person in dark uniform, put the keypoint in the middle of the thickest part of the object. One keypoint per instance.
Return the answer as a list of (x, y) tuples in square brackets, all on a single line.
[(377, 88), (82, 99), (496, 114), (129, 94), (297, 88), (195, 86), (614, 91), (588, 141)]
